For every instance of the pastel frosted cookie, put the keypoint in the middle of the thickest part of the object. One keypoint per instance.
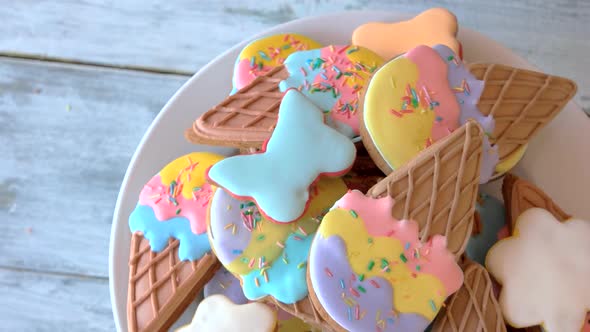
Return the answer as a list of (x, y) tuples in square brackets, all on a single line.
[(169, 225), (490, 226), (301, 149), (266, 53), (369, 271), (431, 27), (544, 271), (467, 91), (269, 258), (219, 314), (174, 204), (333, 78), (225, 283), (409, 104)]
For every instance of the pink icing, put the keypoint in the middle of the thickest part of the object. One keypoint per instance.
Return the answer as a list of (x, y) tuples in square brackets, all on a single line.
[(431, 257), (157, 195), (349, 95), (246, 73), (433, 78), (377, 216)]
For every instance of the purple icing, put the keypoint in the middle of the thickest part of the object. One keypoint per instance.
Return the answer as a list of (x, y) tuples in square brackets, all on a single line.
[(331, 253), (226, 210), (225, 283), (457, 72)]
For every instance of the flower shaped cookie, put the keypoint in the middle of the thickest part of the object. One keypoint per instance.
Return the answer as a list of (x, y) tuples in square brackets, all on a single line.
[(544, 270), (217, 313)]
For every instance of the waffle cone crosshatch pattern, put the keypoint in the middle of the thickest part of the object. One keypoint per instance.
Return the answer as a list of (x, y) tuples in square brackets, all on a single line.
[(245, 119), (161, 286)]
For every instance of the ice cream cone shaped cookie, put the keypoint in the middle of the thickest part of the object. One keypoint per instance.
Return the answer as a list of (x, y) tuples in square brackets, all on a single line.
[(439, 188), (392, 272), (170, 259)]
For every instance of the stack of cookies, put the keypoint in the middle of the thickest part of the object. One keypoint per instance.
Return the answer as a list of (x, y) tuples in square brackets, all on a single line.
[(353, 203)]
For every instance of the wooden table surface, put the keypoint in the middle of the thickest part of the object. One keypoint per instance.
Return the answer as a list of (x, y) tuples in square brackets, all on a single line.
[(80, 82)]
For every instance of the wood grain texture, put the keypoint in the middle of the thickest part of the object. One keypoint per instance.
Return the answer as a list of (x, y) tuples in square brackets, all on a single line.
[(169, 34), (61, 170), (44, 302), (67, 132)]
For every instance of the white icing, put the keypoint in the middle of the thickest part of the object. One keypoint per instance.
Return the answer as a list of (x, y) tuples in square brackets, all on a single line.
[(217, 313), (544, 270)]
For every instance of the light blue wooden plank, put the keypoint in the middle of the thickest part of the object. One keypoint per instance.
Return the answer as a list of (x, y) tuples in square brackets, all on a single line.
[(184, 35), (41, 302), (67, 135)]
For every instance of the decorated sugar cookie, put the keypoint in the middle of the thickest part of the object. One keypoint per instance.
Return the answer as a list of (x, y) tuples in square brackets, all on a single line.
[(168, 225), (219, 314), (490, 226), (333, 78), (368, 271), (269, 258), (433, 26), (467, 91), (409, 104), (174, 204), (544, 272), (266, 53), (300, 150)]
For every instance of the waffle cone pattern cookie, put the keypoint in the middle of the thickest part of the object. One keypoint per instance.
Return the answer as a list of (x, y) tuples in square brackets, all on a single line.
[(439, 188), (473, 307), (244, 119), (555, 295), (521, 101), (170, 257)]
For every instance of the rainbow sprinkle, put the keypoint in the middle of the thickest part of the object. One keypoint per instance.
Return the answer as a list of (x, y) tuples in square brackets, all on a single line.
[(432, 305)]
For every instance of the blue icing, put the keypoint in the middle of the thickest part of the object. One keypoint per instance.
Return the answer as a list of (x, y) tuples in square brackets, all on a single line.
[(287, 283), (192, 247), (300, 149), (294, 63), (493, 218), (233, 79)]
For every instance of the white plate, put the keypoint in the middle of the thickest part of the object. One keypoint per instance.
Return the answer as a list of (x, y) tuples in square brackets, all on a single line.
[(555, 159)]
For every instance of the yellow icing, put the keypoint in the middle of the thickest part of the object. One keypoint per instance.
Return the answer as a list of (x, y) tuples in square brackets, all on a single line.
[(294, 324), (410, 295), (180, 167), (329, 191), (366, 57), (400, 138), (275, 41), (509, 162)]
